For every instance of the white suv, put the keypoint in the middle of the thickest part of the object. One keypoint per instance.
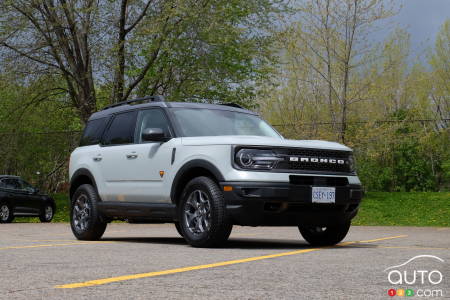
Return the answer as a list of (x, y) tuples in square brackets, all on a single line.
[(206, 168)]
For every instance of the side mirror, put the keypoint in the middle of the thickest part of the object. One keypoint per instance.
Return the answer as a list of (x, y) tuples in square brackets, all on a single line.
[(154, 135), (36, 191)]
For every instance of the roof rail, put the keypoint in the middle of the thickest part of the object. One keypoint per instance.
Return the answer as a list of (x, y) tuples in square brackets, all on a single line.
[(232, 105), (156, 98)]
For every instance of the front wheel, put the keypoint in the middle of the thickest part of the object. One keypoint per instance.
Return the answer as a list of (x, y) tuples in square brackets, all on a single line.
[(46, 215), (179, 229), (202, 214), (325, 236), (85, 220)]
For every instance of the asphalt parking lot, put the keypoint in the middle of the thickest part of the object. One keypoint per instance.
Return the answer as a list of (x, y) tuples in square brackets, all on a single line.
[(135, 261)]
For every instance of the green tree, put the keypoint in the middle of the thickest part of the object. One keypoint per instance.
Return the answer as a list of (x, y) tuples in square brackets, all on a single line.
[(206, 50)]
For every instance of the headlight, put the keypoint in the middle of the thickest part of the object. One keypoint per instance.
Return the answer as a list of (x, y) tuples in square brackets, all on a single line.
[(256, 159), (351, 163)]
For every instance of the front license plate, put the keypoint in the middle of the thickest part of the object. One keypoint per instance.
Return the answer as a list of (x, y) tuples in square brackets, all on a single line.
[(323, 194)]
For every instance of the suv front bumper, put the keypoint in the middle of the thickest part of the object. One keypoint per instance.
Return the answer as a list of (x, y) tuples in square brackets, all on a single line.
[(286, 204)]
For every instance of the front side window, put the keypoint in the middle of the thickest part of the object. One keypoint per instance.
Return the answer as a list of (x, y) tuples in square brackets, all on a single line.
[(152, 118), (216, 122), (93, 132), (121, 130), (25, 186)]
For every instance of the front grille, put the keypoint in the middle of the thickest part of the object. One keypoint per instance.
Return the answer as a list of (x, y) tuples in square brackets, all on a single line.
[(314, 160)]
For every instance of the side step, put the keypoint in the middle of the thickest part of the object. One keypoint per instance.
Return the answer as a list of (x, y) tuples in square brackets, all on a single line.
[(130, 210)]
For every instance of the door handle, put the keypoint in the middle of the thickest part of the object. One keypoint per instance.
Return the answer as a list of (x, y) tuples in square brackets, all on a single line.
[(97, 158), (132, 156)]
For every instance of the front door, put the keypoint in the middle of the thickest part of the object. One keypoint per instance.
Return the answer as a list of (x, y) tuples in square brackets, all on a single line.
[(133, 170), (17, 196)]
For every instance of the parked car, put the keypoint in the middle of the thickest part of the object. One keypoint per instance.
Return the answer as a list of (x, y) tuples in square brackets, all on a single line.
[(18, 198), (205, 168)]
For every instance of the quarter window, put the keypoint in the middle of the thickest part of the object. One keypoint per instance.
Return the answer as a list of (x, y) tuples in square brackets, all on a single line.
[(121, 130), (93, 132)]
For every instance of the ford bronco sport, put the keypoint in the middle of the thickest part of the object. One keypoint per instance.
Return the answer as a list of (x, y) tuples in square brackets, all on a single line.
[(205, 168)]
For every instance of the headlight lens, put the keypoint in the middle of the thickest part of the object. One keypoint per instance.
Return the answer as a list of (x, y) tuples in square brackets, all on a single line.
[(351, 163), (256, 159)]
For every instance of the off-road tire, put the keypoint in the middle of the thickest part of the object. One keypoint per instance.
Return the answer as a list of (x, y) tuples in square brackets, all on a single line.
[(95, 226), (325, 236), (220, 226)]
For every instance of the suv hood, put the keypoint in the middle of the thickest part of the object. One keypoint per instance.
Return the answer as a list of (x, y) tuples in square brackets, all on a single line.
[(261, 141)]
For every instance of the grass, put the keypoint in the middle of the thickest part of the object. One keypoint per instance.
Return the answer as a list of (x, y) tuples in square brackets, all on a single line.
[(377, 208), (405, 209)]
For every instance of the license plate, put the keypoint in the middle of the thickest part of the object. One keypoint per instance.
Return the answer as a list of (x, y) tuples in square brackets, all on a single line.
[(323, 194)]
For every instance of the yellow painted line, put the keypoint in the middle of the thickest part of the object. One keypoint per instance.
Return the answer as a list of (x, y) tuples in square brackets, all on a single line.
[(413, 247), (193, 268), (53, 245), (382, 239), (445, 228)]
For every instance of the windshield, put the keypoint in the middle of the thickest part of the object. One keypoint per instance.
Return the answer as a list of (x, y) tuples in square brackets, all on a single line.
[(214, 122)]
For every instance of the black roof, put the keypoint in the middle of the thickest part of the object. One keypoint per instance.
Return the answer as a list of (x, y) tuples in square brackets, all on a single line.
[(8, 176), (126, 106)]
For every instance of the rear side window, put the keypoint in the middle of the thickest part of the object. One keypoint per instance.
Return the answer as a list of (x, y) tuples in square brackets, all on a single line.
[(93, 132), (121, 130), (12, 184)]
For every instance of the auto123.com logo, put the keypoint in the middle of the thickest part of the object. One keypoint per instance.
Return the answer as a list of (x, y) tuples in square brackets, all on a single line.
[(419, 276)]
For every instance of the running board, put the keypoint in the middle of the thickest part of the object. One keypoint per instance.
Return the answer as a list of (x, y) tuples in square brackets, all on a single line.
[(154, 211)]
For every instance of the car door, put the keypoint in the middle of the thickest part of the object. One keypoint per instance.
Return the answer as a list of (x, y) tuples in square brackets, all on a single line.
[(113, 157), (153, 162), (32, 200), (16, 196), (134, 172)]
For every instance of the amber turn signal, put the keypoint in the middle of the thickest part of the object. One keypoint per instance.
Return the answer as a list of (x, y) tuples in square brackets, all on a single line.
[(227, 188)]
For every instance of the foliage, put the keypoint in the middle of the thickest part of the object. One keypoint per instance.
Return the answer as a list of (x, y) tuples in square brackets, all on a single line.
[(398, 114), (207, 50)]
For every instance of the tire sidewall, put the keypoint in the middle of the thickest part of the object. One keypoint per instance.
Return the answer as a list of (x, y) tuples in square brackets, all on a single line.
[(333, 234), (11, 213), (43, 216), (196, 184), (95, 226), (220, 227)]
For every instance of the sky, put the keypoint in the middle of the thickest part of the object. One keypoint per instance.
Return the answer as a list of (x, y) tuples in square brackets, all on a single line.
[(422, 19)]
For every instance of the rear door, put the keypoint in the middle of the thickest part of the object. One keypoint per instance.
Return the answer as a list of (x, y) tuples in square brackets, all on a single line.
[(114, 157)]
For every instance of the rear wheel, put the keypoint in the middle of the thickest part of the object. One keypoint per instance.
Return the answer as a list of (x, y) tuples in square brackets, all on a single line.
[(85, 220), (46, 214), (325, 236), (202, 215), (6, 213)]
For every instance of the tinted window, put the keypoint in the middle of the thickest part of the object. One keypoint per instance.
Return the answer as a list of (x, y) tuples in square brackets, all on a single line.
[(152, 118), (26, 186), (93, 132), (12, 184), (121, 130)]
